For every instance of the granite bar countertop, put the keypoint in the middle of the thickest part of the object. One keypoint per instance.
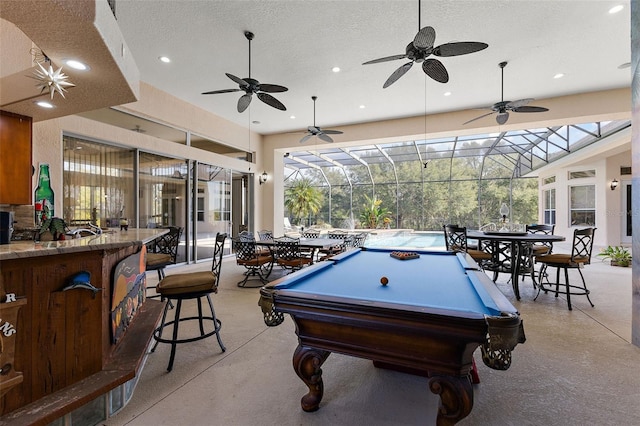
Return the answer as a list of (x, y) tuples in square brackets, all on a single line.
[(107, 240)]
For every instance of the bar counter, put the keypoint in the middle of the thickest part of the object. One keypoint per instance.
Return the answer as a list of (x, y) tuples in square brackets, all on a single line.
[(105, 241), (59, 347)]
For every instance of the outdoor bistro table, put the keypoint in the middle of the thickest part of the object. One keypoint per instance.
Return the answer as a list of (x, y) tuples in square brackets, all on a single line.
[(514, 257)]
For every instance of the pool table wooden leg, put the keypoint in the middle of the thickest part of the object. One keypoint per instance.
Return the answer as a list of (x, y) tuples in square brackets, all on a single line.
[(307, 362), (456, 398)]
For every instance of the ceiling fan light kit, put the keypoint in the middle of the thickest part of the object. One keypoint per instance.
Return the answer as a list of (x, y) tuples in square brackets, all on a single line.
[(503, 107), (314, 130), (252, 86)]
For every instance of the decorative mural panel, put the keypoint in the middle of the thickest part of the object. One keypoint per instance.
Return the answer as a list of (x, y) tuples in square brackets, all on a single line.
[(129, 290)]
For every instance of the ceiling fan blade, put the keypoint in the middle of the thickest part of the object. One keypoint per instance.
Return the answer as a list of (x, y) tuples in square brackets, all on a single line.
[(271, 101), (244, 102), (238, 80), (214, 92), (434, 69), (478, 118), (530, 109), (517, 104), (502, 117), (459, 48), (272, 88), (385, 59), (397, 74), (332, 132), (324, 137), (425, 38), (313, 130), (305, 138)]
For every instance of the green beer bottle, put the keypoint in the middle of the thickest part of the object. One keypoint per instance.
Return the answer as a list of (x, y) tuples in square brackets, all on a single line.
[(44, 201)]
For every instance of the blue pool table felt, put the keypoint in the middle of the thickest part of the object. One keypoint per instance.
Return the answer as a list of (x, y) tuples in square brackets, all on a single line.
[(434, 280)]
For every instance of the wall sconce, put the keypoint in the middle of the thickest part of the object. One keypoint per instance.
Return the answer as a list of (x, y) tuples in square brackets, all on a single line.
[(263, 178), (614, 184)]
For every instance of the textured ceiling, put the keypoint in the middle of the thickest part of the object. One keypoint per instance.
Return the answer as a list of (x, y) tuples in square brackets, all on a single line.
[(298, 42), (63, 29)]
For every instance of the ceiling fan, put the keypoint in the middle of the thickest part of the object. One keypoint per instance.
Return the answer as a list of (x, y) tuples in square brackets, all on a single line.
[(251, 86), (503, 107), (421, 48), (317, 131)]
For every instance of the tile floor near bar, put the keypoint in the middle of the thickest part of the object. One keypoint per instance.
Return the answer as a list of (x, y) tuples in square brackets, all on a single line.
[(576, 368)]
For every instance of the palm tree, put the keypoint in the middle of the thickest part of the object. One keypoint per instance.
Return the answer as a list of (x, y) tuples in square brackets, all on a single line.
[(302, 199)]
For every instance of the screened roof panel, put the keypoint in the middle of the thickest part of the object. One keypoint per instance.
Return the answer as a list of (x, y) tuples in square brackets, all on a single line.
[(517, 152)]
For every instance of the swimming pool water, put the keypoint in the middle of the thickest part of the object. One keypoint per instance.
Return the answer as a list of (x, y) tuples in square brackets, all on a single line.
[(426, 240)]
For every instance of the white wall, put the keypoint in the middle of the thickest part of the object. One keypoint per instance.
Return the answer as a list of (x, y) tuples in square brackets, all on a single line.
[(605, 158)]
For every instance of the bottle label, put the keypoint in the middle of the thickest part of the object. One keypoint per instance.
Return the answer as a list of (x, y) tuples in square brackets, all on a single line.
[(47, 209)]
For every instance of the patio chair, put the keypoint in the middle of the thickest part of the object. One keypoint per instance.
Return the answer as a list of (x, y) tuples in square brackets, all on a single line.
[(257, 262), (580, 256), (455, 238), (187, 286), (359, 239), (265, 235), (162, 252), (538, 248), (288, 254), (246, 236), (324, 254), (310, 233)]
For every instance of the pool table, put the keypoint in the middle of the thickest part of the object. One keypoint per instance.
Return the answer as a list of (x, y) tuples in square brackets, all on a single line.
[(435, 310)]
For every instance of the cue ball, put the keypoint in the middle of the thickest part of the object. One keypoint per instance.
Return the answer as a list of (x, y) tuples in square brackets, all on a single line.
[(384, 280)]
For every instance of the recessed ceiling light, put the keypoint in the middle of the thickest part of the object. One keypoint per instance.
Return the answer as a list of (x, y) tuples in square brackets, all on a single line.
[(44, 104), (624, 66), (76, 65), (559, 75), (164, 59), (447, 93), (616, 9), (362, 107), (335, 69), (292, 117)]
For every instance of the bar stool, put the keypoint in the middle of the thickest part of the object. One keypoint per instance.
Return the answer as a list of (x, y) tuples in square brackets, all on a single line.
[(580, 256), (191, 285)]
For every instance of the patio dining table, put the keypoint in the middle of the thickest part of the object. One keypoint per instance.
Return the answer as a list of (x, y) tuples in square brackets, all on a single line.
[(311, 244), (512, 257)]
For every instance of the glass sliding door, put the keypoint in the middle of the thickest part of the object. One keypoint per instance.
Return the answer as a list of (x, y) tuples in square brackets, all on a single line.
[(98, 184), (212, 206), (162, 194)]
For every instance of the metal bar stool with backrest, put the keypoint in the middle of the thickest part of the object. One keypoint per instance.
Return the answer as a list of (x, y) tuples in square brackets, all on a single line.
[(258, 263), (186, 286), (162, 252), (537, 248), (288, 254), (455, 238), (580, 256)]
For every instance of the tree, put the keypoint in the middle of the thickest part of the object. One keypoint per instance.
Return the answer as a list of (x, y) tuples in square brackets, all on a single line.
[(302, 199), (373, 213)]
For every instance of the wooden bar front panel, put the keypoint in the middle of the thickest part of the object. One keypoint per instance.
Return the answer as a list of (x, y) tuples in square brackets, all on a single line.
[(63, 336)]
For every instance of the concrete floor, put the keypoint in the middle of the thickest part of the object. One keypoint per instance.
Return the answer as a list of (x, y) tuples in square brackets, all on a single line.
[(576, 367)]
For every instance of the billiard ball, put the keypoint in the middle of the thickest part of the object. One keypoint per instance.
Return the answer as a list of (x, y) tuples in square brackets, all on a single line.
[(384, 280)]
